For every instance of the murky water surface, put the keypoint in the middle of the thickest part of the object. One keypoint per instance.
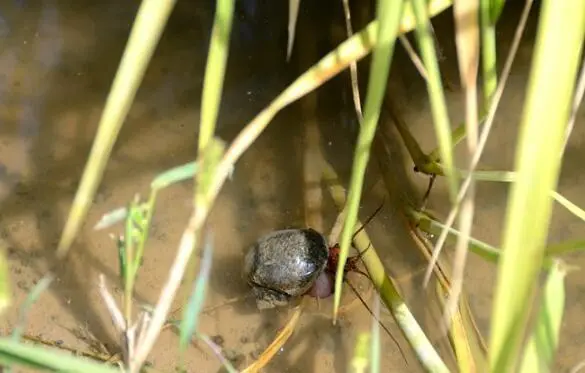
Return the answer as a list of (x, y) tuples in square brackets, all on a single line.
[(57, 63)]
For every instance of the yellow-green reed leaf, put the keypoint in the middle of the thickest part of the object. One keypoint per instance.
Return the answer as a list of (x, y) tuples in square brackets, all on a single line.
[(293, 12), (457, 135), (208, 159), (146, 31), (488, 51), (389, 14), (361, 353), (546, 112), (5, 292), (436, 93), (44, 358), (573, 208), (191, 313), (496, 7), (542, 345), (215, 69), (31, 298), (174, 175)]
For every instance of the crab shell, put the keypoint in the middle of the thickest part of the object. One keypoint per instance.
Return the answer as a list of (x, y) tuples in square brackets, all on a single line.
[(285, 264)]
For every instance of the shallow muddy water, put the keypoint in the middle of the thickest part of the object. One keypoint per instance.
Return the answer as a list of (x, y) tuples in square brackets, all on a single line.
[(57, 64)]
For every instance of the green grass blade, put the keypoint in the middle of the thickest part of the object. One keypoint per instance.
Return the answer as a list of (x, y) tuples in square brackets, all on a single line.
[(215, 70), (389, 16), (496, 7), (43, 358), (436, 93), (546, 112), (573, 208), (543, 343), (196, 300), (146, 31)]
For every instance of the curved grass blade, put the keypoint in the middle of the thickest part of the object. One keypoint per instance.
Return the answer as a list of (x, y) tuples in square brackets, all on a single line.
[(146, 31), (215, 70), (542, 345), (559, 37), (389, 16), (43, 358)]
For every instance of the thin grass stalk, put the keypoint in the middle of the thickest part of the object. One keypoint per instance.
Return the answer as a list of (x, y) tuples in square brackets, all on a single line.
[(215, 70), (146, 31), (488, 52), (560, 36), (441, 119), (389, 15)]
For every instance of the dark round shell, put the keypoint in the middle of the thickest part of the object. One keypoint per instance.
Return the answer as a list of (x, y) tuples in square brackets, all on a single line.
[(285, 264)]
